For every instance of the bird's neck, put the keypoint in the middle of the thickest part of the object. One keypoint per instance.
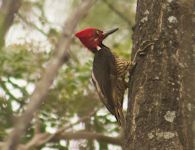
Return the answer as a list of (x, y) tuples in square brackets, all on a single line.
[(103, 46), (99, 48)]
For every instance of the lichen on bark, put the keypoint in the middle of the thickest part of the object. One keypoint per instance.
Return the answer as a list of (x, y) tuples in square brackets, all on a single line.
[(162, 83)]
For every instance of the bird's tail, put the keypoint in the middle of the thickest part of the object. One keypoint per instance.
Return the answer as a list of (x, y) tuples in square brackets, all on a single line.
[(118, 95)]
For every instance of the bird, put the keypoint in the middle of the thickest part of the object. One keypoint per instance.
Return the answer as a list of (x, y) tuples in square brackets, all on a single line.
[(108, 71)]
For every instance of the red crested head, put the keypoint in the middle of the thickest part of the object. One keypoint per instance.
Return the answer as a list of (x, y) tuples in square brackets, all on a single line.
[(92, 38)]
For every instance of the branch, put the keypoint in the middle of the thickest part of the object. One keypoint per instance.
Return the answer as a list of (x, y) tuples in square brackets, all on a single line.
[(120, 14), (70, 125), (37, 125), (42, 138), (42, 87), (39, 139), (32, 25), (7, 12), (89, 136), (22, 89), (7, 91)]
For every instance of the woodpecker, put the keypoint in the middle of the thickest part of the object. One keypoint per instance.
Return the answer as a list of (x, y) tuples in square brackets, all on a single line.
[(109, 71)]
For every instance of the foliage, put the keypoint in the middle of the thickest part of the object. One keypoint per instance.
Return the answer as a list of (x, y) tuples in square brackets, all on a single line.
[(72, 95)]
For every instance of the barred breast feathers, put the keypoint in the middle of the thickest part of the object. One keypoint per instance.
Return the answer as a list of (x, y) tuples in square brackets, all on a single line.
[(122, 66)]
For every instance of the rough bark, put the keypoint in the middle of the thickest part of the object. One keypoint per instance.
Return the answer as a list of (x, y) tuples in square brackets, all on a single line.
[(161, 106)]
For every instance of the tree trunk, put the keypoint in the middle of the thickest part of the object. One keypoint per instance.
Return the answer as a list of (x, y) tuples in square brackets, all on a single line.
[(161, 107)]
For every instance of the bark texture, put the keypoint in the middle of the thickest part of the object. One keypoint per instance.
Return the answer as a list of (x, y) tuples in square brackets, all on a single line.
[(161, 95)]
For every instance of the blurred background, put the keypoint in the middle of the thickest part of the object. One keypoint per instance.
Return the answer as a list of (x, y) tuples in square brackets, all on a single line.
[(72, 100)]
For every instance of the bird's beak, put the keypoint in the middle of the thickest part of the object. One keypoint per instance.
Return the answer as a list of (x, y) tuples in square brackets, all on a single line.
[(107, 33)]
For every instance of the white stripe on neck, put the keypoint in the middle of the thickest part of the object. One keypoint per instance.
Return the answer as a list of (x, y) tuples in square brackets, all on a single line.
[(98, 48)]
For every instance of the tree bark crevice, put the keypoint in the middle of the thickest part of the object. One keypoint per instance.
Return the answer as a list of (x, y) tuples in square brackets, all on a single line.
[(160, 88)]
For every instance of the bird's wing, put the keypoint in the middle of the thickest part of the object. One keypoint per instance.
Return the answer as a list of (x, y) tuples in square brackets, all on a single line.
[(109, 79), (119, 86), (103, 75)]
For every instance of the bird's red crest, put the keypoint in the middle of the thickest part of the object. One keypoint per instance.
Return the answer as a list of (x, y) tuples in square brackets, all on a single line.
[(85, 33), (90, 37)]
